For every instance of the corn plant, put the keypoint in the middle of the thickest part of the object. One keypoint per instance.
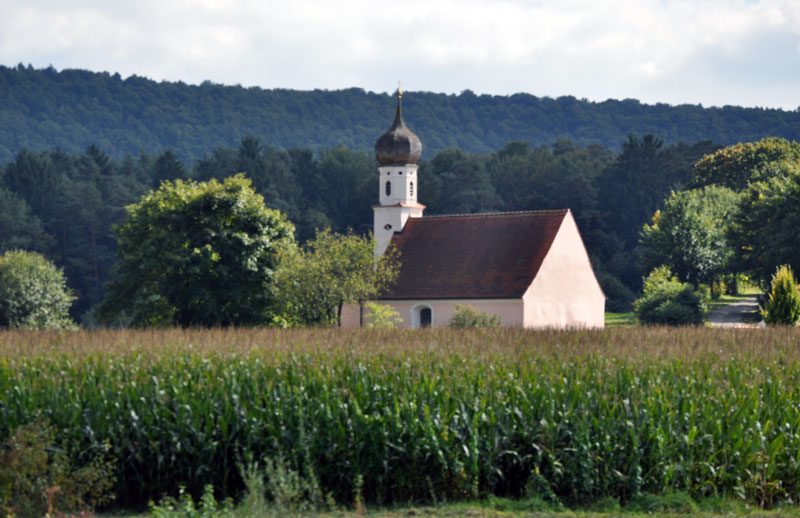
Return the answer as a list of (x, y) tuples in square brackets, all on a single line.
[(397, 416)]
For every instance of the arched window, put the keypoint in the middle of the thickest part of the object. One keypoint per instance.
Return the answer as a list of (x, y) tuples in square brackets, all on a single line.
[(411, 189), (388, 188)]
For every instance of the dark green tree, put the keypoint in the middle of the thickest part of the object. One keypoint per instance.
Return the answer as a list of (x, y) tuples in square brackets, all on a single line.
[(19, 229), (456, 182), (515, 171), (35, 179), (346, 186), (765, 230), (198, 254), (629, 191), (166, 167)]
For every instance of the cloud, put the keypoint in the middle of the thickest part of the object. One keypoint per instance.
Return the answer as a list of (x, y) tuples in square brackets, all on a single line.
[(712, 52)]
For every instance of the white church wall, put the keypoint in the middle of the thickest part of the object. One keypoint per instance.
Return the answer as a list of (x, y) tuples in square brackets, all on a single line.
[(388, 220), (402, 181), (509, 310), (351, 315), (565, 292)]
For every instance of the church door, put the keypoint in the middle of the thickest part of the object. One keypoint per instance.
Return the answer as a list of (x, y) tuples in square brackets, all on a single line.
[(425, 317)]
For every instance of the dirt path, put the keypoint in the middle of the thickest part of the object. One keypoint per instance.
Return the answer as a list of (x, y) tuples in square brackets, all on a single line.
[(737, 314)]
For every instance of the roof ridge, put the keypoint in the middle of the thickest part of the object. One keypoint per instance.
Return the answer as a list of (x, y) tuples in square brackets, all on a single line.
[(500, 213)]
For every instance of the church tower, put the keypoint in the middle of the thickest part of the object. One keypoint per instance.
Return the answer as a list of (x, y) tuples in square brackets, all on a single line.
[(398, 151)]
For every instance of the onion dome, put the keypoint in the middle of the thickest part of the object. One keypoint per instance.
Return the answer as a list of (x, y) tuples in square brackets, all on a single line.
[(399, 145)]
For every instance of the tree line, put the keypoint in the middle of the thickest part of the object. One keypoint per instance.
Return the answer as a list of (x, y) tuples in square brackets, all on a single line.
[(65, 205), (740, 215), (42, 109)]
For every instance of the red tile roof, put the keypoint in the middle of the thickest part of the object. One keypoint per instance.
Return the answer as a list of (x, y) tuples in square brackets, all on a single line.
[(473, 256)]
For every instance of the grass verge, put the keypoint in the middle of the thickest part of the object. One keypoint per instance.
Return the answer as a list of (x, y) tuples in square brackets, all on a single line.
[(621, 320)]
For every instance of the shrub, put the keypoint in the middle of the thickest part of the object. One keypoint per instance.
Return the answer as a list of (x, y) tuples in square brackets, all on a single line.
[(38, 478), (467, 316), (667, 301), (381, 316), (783, 302), (33, 293), (184, 506)]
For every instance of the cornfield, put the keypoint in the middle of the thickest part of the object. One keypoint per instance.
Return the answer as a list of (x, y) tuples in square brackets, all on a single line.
[(423, 416)]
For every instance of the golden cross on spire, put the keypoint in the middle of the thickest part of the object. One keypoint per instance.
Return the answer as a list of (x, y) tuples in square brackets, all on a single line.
[(399, 91)]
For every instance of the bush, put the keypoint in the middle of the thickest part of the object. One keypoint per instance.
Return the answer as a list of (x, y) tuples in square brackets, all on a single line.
[(33, 293), (667, 301), (381, 316), (38, 478), (783, 302), (185, 507), (467, 316)]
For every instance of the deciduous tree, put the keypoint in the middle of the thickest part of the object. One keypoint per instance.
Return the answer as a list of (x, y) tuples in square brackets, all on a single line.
[(198, 254), (740, 165), (33, 293), (331, 270), (765, 231), (690, 234)]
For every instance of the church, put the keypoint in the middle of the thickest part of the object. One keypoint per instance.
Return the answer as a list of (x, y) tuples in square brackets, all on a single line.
[(530, 268)]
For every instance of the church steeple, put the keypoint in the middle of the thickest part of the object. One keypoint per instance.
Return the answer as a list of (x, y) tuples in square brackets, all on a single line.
[(399, 145), (397, 151)]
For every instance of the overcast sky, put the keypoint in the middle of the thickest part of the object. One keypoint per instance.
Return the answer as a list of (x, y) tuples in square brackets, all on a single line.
[(714, 52)]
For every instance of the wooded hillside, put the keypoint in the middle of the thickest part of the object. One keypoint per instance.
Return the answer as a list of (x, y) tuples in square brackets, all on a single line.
[(72, 109)]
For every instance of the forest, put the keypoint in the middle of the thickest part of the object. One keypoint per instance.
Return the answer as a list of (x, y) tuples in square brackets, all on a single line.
[(77, 147), (45, 109), (65, 205)]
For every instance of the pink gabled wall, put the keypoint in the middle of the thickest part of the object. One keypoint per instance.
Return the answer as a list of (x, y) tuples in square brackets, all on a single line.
[(565, 291)]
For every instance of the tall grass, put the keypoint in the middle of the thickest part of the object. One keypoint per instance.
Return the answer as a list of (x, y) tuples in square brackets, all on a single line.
[(418, 416)]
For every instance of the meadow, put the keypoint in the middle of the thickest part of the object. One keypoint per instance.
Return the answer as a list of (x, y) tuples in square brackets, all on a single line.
[(568, 417)]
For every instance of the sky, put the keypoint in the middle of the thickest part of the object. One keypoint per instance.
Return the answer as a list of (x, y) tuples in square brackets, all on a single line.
[(714, 53)]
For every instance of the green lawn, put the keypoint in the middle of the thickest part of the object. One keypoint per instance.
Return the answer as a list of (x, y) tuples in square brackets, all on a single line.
[(629, 320), (501, 507), (621, 320)]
